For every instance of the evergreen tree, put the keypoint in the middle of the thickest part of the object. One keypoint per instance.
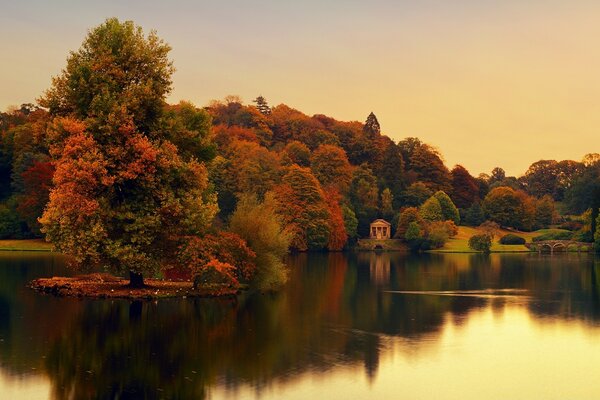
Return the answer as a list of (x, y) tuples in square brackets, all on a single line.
[(262, 106), (372, 127)]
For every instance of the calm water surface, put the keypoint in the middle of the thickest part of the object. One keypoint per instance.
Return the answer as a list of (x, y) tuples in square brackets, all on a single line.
[(355, 326)]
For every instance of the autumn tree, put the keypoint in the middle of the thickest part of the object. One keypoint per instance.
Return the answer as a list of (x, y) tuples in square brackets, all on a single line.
[(465, 189), (331, 167), (303, 208), (37, 181), (406, 216), (424, 163), (123, 197), (298, 153), (338, 235)]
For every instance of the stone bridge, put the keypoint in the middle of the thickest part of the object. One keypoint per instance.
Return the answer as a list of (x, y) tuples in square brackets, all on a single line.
[(555, 244)]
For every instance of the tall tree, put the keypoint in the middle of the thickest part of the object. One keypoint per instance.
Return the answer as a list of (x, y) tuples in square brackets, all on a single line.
[(123, 198), (304, 209), (331, 167), (372, 127), (465, 188), (262, 105), (391, 173)]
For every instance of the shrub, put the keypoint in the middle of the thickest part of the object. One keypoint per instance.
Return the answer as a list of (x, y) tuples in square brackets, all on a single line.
[(481, 243), (490, 228), (562, 235), (407, 215), (259, 225), (216, 273), (511, 239), (437, 235)]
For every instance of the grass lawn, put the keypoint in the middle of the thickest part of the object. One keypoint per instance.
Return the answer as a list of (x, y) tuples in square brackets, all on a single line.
[(25, 245), (460, 243)]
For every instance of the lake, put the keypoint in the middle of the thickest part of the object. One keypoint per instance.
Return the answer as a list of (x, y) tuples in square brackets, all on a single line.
[(347, 326)]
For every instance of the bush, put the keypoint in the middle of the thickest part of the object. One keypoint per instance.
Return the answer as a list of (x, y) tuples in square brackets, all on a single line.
[(511, 239), (481, 243), (215, 273), (564, 235)]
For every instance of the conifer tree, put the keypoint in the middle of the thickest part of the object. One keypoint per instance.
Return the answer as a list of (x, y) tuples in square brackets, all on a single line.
[(262, 106), (372, 127)]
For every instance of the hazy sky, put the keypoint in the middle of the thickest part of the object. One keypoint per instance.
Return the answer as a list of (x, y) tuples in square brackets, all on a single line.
[(489, 83)]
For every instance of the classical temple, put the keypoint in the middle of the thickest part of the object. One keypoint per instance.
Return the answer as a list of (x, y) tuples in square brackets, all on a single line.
[(380, 229)]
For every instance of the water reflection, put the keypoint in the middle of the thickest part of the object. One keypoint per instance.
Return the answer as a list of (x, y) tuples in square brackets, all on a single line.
[(341, 315)]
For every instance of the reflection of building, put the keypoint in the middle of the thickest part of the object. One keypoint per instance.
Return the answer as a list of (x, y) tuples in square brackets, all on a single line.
[(381, 229), (379, 268)]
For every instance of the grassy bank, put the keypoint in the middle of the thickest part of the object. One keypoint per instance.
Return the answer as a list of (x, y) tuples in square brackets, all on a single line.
[(460, 243), (25, 245)]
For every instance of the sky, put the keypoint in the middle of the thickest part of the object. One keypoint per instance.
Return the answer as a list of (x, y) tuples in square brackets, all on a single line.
[(488, 83)]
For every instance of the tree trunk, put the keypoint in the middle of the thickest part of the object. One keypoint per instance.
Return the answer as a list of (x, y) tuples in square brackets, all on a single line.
[(136, 280)]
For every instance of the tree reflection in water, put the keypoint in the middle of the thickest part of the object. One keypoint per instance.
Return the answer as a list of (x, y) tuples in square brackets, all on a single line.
[(337, 310)]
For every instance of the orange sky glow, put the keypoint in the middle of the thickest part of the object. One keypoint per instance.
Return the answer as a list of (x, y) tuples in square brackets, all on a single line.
[(488, 83)]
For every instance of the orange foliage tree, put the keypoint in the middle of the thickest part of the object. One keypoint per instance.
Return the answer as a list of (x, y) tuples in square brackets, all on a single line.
[(122, 197), (338, 236), (303, 209)]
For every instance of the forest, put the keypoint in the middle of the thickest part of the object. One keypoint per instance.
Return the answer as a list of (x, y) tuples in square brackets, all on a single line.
[(110, 173)]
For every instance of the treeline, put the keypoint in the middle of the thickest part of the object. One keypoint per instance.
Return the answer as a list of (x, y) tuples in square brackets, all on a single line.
[(326, 179)]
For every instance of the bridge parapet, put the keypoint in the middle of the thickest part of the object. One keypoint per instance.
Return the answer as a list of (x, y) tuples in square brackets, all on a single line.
[(554, 244)]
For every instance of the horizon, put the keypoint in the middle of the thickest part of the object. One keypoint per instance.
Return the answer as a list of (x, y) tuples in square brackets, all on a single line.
[(516, 78)]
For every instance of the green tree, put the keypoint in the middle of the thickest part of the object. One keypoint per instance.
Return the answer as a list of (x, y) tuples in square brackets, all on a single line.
[(123, 197), (372, 127), (387, 200), (416, 194), (391, 173), (364, 197), (544, 212), (269, 242), (350, 222), (262, 105), (118, 75), (597, 235), (431, 210), (474, 215), (503, 205), (449, 210)]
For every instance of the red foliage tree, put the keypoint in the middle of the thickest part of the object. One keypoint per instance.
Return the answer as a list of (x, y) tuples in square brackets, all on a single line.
[(338, 236), (37, 181)]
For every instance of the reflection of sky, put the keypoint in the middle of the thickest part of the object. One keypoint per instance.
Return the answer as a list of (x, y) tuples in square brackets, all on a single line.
[(492, 354), (516, 77)]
